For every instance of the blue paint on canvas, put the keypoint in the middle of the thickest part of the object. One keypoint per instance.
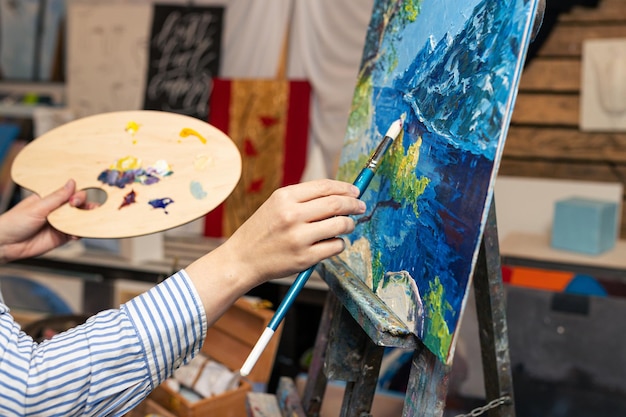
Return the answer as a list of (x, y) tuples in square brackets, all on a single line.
[(452, 70)]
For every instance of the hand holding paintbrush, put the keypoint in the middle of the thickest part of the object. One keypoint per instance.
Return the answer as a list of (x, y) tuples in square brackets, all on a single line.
[(361, 182)]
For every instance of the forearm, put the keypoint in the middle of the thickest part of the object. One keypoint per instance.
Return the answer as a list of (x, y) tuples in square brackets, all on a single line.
[(220, 280), (107, 365)]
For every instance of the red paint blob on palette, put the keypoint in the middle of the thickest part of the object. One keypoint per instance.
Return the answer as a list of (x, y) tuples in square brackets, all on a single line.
[(128, 199)]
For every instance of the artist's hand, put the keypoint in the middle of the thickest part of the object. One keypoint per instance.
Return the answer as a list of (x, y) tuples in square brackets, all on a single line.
[(24, 230), (294, 229)]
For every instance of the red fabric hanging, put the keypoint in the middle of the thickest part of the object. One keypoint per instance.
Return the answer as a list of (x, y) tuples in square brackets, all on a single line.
[(269, 122)]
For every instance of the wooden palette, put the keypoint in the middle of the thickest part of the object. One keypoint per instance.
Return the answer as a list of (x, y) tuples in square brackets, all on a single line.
[(204, 166)]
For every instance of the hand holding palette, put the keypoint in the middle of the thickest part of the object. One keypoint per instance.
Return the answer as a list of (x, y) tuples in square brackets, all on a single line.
[(159, 170)]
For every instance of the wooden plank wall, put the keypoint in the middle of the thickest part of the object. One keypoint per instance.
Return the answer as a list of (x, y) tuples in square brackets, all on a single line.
[(544, 139)]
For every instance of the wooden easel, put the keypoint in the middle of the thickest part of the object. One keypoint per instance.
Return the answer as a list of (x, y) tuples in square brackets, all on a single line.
[(356, 327)]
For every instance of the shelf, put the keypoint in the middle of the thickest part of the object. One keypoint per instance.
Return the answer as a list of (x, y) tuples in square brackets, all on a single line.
[(534, 250)]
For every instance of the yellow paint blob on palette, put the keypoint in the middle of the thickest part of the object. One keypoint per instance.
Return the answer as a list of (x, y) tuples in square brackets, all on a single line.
[(145, 161)]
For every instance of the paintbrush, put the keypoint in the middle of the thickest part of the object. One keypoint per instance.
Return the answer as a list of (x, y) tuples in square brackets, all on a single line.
[(362, 181)]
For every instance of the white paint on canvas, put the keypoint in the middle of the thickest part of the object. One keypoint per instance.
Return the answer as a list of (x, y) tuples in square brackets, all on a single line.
[(603, 87)]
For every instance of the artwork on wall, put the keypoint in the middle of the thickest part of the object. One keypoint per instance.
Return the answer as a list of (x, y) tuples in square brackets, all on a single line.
[(131, 56), (31, 40), (603, 87), (185, 45), (106, 56), (451, 69)]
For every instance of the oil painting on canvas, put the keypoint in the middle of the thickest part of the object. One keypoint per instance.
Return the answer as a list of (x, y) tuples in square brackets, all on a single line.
[(450, 69)]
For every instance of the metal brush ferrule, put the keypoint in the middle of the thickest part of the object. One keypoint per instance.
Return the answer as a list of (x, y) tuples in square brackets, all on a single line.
[(378, 153)]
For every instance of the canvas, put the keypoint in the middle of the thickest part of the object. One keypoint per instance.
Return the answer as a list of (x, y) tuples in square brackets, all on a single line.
[(106, 56), (31, 40), (451, 70)]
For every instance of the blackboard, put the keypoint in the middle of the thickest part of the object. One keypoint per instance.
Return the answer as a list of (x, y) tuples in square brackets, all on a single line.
[(185, 46)]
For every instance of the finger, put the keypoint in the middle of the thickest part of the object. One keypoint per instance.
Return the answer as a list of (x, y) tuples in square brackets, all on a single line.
[(327, 248), (328, 229), (319, 188), (325, 207), (56, 199), (79, 199), (90, 206)]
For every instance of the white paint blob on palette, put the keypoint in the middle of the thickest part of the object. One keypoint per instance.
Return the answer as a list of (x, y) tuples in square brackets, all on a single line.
[(159, 170)]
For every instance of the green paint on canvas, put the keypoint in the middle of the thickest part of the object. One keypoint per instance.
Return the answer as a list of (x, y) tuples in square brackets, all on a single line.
[(378, 270), (399, 167), (437, 335)]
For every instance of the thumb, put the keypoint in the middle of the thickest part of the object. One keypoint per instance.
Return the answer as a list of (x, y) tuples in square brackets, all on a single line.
[(56, 199)]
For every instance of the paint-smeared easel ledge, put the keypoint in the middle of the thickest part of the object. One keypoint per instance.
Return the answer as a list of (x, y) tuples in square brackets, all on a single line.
[(159, 170)]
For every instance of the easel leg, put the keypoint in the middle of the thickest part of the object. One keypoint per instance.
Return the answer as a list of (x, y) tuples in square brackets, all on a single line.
[(316, 380), (491, 308), (359, 394), (353, 357), (427, 387)]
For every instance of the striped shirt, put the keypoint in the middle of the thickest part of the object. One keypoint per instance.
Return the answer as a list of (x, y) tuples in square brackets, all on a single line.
[(106, 366)]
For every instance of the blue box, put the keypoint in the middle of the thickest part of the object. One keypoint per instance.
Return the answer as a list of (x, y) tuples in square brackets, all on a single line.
[(584, 225)]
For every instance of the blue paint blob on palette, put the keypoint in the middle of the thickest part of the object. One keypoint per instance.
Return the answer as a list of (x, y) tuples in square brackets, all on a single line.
[(197, 190), (161, 203), (144, 161), (116, 178)]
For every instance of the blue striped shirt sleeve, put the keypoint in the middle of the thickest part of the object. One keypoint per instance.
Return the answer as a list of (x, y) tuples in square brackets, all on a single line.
[(109, 364)]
